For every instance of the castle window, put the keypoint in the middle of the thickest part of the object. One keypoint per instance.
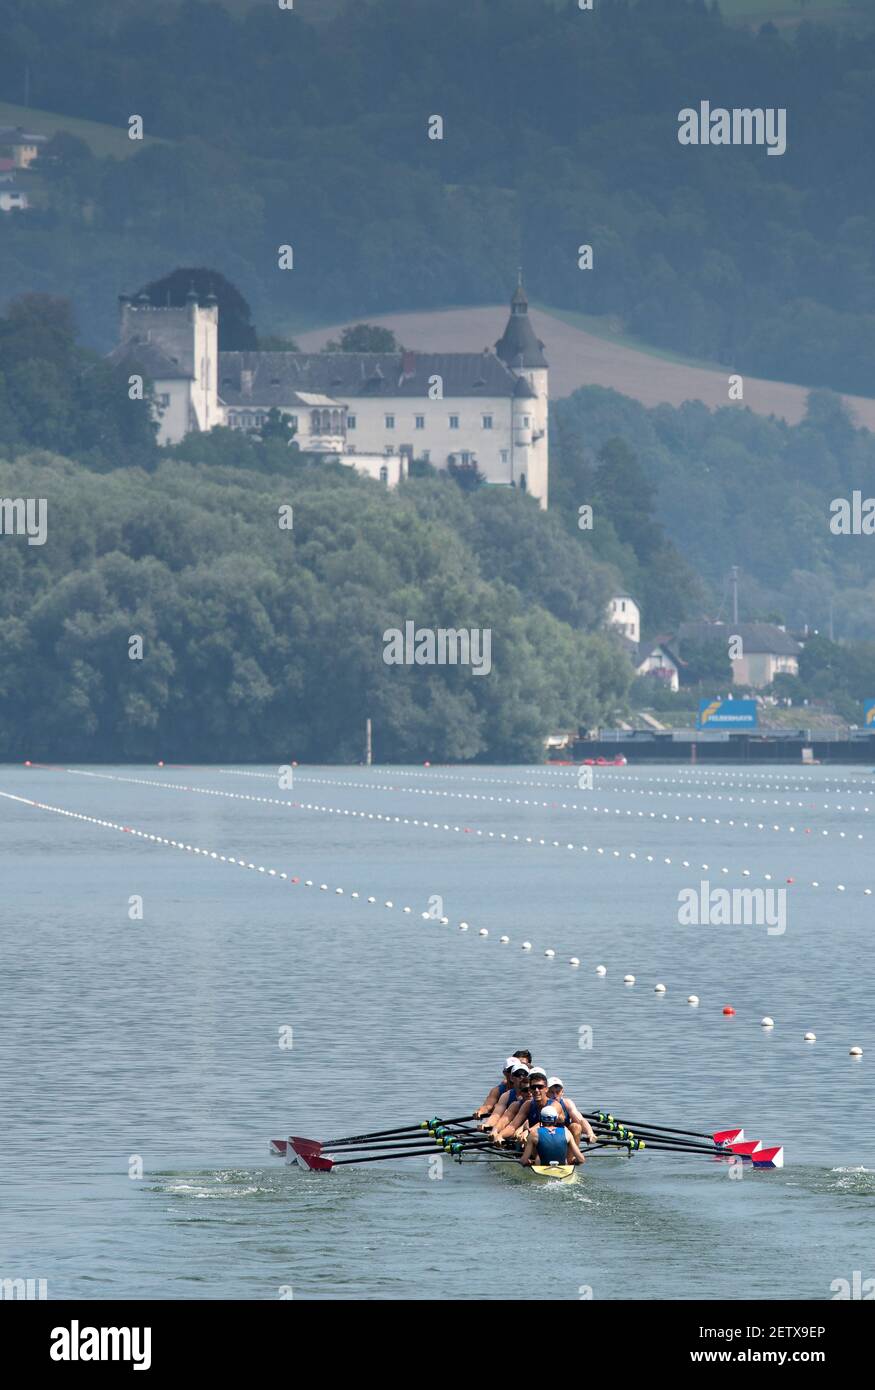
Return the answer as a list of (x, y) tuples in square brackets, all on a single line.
[(526, 421), (504, 455), (522, 482), (390, 422), (420, 422), (466, 458), (232, 419), (487, 422), (350, 422), (164, 398), (426, 456), (454, 422), (384, 474)]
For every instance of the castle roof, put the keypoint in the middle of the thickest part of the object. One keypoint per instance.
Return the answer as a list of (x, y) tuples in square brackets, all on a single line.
[(518, 346), (150, 359), (277, 376)]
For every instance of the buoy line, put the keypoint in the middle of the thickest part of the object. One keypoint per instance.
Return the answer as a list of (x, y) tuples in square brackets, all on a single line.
[(625, 789), (625, 780), (498, 836), (295, 880), (554, 805)]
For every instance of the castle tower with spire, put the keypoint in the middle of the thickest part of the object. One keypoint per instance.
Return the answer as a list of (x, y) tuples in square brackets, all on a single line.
[(523, 354)]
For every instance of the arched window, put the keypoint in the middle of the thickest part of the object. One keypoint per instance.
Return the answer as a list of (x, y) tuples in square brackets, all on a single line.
[(384, 474), (315, 422)]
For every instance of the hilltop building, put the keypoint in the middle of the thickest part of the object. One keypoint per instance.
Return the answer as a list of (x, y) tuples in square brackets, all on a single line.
[(371, 411)]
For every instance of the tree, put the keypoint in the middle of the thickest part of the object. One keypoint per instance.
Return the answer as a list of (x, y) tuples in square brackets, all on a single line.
[(278, 425), (706, 663), (365, 337), (274, 343), (466, 475)]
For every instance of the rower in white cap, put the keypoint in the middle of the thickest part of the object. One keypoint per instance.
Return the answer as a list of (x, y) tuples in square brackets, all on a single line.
[(575, 1121), (498, 1090), (549, 1142)]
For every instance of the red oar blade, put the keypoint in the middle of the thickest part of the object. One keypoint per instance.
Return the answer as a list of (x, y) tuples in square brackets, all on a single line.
[(728, 1136), (747, 1149), (308, 1159), (279, 1147), (769, 1158)]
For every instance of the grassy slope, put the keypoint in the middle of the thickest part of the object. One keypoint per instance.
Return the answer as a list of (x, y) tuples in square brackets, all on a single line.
[(580, 355), (103, 140)]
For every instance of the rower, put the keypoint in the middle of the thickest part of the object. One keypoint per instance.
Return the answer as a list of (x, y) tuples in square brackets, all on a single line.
[(498, 1090), (549, 1142), (509, 1102), (526, 1113), (574, 1121)]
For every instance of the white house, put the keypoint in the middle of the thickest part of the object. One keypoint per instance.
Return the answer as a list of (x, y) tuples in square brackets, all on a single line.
[(625, 615), (658, 660), (765, 650), (12, 197), (484, 408)]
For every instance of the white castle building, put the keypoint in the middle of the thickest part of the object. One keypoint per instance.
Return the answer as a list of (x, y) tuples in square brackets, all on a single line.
[(371, 410)]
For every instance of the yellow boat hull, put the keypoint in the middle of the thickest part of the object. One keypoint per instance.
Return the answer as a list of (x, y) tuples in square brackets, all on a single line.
[(560, 1172)]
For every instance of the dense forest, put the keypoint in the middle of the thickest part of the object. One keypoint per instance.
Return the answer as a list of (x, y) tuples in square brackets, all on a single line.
[(560, 128), (266, 643)]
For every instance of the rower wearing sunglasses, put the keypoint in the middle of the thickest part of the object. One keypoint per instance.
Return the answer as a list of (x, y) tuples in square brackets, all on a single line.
[(527, 1111), (517, 1060)]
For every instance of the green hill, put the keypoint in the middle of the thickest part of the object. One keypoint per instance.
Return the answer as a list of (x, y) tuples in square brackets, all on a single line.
[(102, 140)]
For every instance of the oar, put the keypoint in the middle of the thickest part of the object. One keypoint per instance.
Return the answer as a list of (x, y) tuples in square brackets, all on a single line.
[(399, 1129), (605, 1118)]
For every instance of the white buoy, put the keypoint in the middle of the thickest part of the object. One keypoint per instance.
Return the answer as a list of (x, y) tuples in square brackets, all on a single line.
[(445, 921), (549, 953), (767, 1022), (526, 946), (573, 961), (388, 904), (693, 999), (372, 900), (810, 1037), (601, 970), (628, 979), (659, 989), (484, 931), (856, 1052), (463, 926), (425, 916), (338, 890), (323, 887), (504, 940)]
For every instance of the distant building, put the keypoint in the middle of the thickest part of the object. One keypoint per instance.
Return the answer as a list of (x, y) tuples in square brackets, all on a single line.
[(767, 649), (23, 146), (658, 659), (12, 197), (486, 409), (625, 615)]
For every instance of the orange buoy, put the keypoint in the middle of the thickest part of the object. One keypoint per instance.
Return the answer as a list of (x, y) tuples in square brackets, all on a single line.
[(728, 1009)]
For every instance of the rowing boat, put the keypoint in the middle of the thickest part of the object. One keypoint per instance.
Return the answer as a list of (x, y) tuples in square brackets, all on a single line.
[(458, 1139)]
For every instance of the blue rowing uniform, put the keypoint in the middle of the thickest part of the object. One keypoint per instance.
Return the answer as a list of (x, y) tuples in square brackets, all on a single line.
[(533, 1114), (502, 1087), (552, 1145)]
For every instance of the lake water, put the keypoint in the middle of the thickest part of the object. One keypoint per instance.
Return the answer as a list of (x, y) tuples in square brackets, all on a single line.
[(159, 1039)]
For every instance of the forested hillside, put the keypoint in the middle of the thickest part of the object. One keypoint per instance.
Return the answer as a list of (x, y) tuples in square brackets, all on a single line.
[(560, 129), (262, 643)]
